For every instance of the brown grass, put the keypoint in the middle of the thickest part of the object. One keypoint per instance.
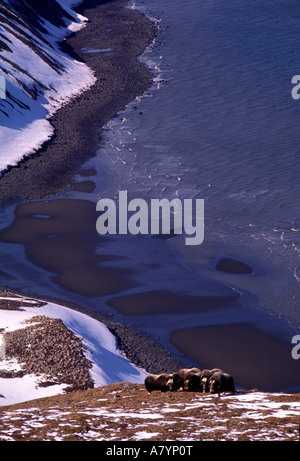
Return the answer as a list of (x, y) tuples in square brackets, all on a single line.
[(126, 411)]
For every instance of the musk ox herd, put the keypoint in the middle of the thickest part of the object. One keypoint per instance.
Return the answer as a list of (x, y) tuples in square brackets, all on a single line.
[(213, 381)]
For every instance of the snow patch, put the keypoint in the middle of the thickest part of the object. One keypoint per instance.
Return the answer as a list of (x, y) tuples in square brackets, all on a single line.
[(108, 364), (39, 78)]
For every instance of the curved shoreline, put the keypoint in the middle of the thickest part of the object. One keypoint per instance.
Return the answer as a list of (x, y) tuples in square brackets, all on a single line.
[(77, 125)]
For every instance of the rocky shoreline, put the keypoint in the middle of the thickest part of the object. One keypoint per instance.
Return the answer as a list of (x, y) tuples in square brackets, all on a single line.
[(143, 351), (78, 124), (50, 171)]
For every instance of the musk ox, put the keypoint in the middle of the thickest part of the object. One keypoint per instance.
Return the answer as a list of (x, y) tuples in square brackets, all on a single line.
[(205, 377), (184, 371), (215, 370), (221, 382), (175, 382), (163, 382), (192, 382), (190, 378)]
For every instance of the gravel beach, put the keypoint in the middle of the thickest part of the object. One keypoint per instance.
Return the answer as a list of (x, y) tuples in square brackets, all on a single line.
[(50, 171), (77, 125)]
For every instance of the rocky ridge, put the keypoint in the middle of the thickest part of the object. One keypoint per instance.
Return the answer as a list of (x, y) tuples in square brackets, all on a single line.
[(47, 347), (124, 411)]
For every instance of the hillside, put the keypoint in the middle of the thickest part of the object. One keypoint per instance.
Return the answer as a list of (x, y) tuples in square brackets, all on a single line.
[(48, 349), (126, 412), (63, 377)]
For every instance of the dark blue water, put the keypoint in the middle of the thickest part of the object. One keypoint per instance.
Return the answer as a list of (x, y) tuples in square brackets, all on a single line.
[(223, 126), (220, 124)]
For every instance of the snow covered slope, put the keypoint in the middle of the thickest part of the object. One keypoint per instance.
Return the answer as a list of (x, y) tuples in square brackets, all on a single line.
[(108, 364), (39, 77)]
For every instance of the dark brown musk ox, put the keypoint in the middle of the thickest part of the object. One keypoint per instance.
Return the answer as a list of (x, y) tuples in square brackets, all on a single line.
[(205, 377), (163, 382), (184, 371), (191, 378), (221, 382), (192, 382), (175, 382), (215, 370)]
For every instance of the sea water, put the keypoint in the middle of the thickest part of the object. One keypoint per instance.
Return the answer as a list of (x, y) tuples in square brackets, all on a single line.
[(220, 124)]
